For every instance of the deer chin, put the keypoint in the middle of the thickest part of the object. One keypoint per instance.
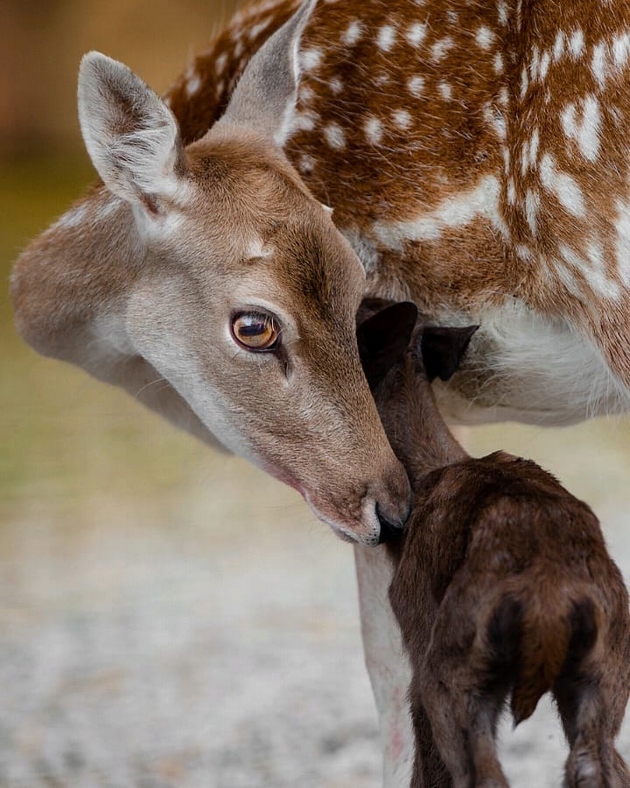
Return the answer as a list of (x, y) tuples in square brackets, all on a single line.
[(364, 529)]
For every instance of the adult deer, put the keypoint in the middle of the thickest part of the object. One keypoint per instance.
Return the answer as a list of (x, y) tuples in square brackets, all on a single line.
[(475, 156)]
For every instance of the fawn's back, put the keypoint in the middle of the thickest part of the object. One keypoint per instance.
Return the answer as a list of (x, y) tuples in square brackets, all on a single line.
[(483, 529)]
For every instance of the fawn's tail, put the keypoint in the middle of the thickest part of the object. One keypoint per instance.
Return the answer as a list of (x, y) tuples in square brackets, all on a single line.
[(539, 640)]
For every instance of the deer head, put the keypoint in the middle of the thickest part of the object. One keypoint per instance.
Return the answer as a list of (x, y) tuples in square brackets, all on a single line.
[(212, 267)]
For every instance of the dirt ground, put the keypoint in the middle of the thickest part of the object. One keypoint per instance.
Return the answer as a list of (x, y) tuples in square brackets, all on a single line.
[(212, 639)]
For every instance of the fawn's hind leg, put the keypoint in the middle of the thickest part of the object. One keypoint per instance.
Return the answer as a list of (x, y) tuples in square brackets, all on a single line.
[(591, 693), (591, 716), (429, 770), (463, 718)]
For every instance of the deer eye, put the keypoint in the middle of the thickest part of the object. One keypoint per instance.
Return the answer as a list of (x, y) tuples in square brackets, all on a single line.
[(255, 331)]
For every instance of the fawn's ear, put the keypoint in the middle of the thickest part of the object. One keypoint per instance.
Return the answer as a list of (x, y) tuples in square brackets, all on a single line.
[(384, 337), (442, 349), (266, 94), (131, 135)]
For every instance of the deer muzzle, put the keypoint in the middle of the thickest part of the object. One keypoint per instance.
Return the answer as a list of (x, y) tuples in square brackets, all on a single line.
[(375, 516)]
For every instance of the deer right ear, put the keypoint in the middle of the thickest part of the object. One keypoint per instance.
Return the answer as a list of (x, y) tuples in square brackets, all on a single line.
[(266, 94), (131, 135), (443, 348), (384, 337)]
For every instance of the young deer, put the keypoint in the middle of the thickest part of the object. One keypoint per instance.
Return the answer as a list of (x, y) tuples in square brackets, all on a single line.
[(476, 157), (502, 584)]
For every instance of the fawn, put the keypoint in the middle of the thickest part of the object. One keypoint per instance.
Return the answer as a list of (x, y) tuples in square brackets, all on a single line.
[(503, 584)]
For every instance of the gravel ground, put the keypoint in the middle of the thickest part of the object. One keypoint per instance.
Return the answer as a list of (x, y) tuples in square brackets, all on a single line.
[(216, 649)]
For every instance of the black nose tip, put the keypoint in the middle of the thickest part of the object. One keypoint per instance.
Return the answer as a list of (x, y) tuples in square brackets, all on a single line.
[(390, 531)]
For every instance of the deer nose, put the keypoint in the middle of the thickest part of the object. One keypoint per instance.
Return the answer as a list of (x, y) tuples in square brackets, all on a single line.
[(393, 508), (391, 530)]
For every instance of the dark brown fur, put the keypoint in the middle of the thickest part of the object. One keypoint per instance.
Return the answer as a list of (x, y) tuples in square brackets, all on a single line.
[(503, 586)]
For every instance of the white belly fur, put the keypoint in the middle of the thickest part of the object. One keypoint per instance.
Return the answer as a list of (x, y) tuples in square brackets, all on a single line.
[(521, 366)]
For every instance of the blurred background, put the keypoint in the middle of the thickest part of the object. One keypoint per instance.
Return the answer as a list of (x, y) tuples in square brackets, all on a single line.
[(170, 616)]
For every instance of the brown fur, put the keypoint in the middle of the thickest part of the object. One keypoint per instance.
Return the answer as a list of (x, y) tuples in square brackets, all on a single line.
[(450, 144), (503, 585)]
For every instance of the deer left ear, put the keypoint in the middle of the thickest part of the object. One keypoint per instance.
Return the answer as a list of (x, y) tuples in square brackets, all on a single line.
[(384, 337), (443, 348), (131, 135)]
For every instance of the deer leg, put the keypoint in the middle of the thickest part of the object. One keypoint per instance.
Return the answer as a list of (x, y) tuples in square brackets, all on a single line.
[(429, 770), (387, 664), (591, 715), (463, 719)]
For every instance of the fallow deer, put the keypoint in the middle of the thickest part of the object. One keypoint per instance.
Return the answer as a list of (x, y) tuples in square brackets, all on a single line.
[(502, 582), (476, 158)]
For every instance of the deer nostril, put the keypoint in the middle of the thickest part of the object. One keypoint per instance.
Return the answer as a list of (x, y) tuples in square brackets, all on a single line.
[(391, 529)]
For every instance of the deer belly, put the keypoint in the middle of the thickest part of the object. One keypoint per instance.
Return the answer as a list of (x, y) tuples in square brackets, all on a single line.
[(523, 366)]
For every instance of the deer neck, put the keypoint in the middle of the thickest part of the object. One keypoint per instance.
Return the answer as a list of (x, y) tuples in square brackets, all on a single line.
[(415, 427)]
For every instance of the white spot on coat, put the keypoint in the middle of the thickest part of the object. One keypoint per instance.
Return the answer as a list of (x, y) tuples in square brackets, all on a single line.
[(585, 129), (532, 206), (220, 63), (335, 85), (621, 50), (402, 119), (306, 164), (524, 82), (576, 43), (193, 85), (441, 48), (622, 243), (416, 33), (558, 47), (484, 37), (533, 147), (457, 210), (598, 63), (373, 130), (335, 136), (257, 29), (545, 62), (446, 90), (304, 121), (353, 33), (511, 191), (562, 186), (502, 13), (416, 85), (592, 268), (310, 59), (386, 37)]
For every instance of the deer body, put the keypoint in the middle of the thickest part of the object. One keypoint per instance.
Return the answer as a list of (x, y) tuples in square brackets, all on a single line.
[(476, 157), (502, 585)]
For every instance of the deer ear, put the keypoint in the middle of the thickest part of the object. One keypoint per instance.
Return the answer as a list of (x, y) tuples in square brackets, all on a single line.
[(131, 135), (442, 349), (384, 337), (266, 94)]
